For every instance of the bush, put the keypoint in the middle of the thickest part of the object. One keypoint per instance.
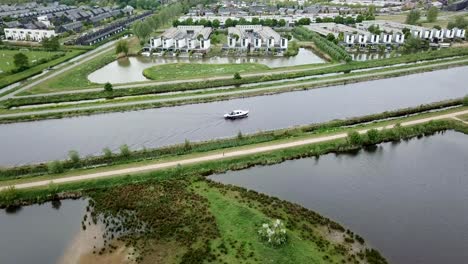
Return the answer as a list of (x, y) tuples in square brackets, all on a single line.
[(107, 153), (373, 136), (108, 87), (354, 138), (274, 233), (55, 167), (187, 145), (74, 156), (124, 150), (237, 76), (465, 101), (9, 194)]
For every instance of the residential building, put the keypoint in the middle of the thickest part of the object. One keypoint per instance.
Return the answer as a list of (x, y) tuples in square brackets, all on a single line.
[(255, 37), (28, 34), (183, 38)]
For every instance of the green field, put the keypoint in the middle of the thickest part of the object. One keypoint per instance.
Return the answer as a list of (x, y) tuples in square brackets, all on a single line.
[(179, 71), (6, 57)]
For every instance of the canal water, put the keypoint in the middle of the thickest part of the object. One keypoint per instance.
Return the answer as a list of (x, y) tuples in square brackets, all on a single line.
[(40, 233), (409, 200), (131, 69), (46, 140)]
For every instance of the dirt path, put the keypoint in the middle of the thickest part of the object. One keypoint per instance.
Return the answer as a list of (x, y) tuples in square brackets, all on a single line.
[(212, 157)]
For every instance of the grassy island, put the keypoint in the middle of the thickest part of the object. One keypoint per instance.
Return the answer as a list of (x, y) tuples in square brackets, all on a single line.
[(177, 71)]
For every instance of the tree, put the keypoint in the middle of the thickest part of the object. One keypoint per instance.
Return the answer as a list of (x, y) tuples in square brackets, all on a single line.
[(121, 47), (124, 150), (107, 153), (460, 22), (237, 76), (216, 23), (432, 14), (108, 87), (413, 17), (413, 44), (330, 37), (282, 23), (52, 43), (21, 61), (465, 100)]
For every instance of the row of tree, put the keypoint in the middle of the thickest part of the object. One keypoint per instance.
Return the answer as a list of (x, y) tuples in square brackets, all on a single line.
[(329, 47), (231, 22), (345, 20)]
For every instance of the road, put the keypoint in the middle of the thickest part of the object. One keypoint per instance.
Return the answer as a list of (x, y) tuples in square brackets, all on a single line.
[(75, 62), (212, 157), (227, 93)]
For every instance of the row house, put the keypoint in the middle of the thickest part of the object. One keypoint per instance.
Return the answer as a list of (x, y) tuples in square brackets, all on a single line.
[(256, 37), (185, 38), (28, 34)]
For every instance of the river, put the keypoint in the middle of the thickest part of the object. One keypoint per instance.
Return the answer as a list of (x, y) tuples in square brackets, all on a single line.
[(409, 200), (46, 140)]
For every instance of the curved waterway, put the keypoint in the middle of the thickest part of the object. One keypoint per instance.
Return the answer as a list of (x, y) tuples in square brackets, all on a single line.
[(408, 199), (131, 69), (52, 139), (42, 233)]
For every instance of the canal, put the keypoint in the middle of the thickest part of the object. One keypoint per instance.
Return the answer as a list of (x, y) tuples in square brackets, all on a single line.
[(46, 140), (409, 200)]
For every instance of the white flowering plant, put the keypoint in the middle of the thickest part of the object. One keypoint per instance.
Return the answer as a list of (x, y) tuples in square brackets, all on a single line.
[(273, 233)]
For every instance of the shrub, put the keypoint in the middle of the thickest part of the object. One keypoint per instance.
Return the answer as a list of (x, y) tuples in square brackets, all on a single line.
[(465, 101), (354, 138), (108, 87), (240, 135), (187, 145), (373, 136), (274, 233), (9, 194), (55, 167), (74, 156), (237, 76), (107, 153), (124, 150)]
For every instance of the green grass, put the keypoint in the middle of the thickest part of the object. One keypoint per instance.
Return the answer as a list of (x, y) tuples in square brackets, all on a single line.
[(6, 57), (238, 222), (12, 78), (78, 77), (177, 71), (463, 117)]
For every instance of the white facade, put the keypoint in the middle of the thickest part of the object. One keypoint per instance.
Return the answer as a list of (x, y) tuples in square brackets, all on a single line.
[(255, 36), (28, 34), (185, 38)]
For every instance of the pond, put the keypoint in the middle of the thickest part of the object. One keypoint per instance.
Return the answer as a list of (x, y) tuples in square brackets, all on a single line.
[(46, 233), (131, 69), (408, 199), (45, 140)]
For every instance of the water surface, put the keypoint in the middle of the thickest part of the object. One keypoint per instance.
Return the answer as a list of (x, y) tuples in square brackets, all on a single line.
[(52, 139), (409, 200), (39, 233)]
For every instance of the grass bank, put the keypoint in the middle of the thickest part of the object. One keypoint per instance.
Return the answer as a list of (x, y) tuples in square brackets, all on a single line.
[(12, 78)]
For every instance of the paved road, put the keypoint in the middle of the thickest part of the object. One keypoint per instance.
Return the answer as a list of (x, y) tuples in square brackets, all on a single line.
[(211, 157), (223, 93), (86, 57)]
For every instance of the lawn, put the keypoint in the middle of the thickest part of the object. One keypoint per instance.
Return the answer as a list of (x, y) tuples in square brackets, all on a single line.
[(177, 71), (6, 61)]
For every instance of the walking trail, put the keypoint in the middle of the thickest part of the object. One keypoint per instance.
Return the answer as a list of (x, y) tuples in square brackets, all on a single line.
[(225, 155)]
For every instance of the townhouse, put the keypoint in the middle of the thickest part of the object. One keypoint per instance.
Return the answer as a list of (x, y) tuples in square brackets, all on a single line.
[(183, 38), (255, 37)]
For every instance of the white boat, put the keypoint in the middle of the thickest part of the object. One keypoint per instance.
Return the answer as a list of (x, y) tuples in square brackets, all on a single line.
[(237, 114)]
